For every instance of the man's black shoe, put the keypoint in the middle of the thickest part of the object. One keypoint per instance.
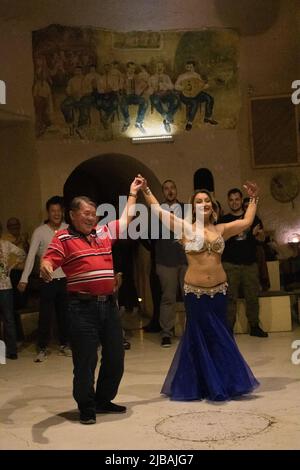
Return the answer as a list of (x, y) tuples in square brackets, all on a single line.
[(167, 126), (79, 133), (125, 127), (188, 126), (257, 331), (210, 121), (139, 126), (166, 342), (87, 418), (110, 408), (126, 344), (104, 123), (12, 356)]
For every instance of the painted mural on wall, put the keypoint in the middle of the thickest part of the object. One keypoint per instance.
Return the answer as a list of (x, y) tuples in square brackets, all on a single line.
[(92, 84)]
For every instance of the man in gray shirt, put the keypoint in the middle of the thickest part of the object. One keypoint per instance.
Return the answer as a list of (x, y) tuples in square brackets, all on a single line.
[(171, 265), (53, 295)]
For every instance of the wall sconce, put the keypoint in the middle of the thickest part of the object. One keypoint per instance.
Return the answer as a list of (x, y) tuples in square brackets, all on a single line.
[(294, 242), (294, 238), (150, 139)]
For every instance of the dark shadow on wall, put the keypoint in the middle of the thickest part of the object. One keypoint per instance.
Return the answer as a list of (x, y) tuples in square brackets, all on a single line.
[(249, 17)]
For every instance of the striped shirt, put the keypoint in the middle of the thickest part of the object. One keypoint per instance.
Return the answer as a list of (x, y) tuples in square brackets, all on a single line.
[(86, 261)]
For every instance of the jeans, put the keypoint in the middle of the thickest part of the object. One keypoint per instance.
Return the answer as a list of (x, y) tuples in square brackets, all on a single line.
[(165, 104), (53, 296), (20, 301), (245, 277), (7, 309), (92, 324), (170, 278), (192, 105), (140, 101), (68, 108), (106, 102)]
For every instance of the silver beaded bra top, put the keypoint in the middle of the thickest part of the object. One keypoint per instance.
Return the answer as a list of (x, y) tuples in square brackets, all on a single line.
[(199, 245)]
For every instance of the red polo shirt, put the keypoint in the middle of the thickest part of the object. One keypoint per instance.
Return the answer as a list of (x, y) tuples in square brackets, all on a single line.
[(87, 263)]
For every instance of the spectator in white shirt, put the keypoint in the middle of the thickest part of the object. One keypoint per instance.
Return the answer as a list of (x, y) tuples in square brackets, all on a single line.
[(53, 295)]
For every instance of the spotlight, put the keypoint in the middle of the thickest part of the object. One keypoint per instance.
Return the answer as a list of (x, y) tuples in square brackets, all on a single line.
[(152, 139)]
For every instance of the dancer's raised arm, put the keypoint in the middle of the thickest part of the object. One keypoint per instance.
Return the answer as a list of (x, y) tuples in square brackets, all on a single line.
[(129, 210), (231, 229), (176, 224)]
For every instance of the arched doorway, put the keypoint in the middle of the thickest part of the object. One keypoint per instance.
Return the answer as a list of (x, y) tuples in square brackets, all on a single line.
[(104, 178)]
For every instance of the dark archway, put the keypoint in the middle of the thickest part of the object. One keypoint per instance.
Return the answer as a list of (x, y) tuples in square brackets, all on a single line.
[(203, 179), (106, 177), (249, 17)]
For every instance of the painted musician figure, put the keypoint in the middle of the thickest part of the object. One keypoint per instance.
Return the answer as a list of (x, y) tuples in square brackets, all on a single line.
[(191, 86), (134, 92)]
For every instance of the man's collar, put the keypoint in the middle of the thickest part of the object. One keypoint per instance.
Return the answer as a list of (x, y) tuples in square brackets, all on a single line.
[(237, 215), (73, 231), (171, 203)]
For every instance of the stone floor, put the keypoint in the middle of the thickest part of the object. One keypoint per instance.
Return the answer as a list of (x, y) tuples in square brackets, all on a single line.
[(37, 410)]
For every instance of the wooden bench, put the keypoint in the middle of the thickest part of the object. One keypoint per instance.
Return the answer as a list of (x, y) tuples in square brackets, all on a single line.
[(274, 313)]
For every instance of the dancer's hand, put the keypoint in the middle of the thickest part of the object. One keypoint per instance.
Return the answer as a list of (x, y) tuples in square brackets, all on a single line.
[(251, 188), (144, 184), (136, 185)]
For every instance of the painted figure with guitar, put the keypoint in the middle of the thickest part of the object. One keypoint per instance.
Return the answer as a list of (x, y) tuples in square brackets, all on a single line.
[(191, 85)]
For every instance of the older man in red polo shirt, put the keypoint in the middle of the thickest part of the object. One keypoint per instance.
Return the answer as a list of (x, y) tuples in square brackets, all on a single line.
[(84, 251)]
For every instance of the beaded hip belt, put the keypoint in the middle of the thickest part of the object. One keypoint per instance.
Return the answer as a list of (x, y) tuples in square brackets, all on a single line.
[(211, 291)]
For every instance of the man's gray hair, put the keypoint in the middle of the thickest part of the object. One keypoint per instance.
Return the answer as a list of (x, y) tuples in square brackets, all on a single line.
[(76, 202)]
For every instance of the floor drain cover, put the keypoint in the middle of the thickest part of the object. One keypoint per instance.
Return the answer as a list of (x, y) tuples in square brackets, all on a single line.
[(212, 425)]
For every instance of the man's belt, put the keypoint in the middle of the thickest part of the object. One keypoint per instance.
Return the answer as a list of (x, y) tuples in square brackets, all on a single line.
[(85, 296)]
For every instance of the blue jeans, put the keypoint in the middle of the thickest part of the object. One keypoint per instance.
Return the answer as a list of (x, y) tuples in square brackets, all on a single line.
[(68, 108), (165, 104), (92, 324), (140, 101), (53, 297), (192, 105), (106, 102), (7, 309)]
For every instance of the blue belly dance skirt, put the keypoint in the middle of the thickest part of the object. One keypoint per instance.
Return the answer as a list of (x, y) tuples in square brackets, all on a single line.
[(207, 363)]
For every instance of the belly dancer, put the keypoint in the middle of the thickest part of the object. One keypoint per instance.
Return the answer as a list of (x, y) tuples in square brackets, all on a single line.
[(207, 363)]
